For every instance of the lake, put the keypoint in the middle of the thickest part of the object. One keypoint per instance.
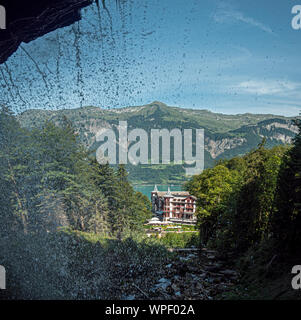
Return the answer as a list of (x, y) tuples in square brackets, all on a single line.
[(147, 189)]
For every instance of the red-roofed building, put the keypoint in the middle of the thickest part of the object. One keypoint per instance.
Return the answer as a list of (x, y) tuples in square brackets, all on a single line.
[(174, 205)]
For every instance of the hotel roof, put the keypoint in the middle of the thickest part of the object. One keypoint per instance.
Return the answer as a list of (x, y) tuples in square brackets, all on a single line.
[(174, 194)]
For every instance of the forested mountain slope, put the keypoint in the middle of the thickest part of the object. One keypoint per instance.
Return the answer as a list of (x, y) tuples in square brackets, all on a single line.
[(225, 135)]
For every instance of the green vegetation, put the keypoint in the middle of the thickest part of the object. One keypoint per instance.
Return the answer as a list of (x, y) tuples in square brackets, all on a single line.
[(174, 226), (74, 229), (180, 240), (70, 264), (155, 112), (157, 174), (46, 175), (249, 209), (226, 136), (48, 180)]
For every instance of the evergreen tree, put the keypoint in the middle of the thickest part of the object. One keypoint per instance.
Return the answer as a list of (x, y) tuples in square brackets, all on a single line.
[(286, 222), (256, 197), (236, 199), (13, 139), (213, 188)]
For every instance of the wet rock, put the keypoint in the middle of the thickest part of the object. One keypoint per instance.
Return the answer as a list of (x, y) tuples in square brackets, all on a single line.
[(211, 257), (193, 268), (175, 287), (191, 256), (217, 280), (213, 268), (209, 251), (230, 273), (184, 258), (163, 283), (36, 18), (186, 277)]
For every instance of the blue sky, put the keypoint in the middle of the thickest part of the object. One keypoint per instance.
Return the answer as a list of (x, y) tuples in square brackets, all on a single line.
[(225, 56)]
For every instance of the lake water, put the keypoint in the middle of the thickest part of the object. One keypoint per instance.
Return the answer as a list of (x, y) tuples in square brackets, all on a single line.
[(147, 189)]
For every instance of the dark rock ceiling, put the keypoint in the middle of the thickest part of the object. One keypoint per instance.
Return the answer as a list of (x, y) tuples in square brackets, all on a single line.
[(30, 19)]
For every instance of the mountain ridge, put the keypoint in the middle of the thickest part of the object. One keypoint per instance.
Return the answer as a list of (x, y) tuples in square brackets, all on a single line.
[(225, 135)]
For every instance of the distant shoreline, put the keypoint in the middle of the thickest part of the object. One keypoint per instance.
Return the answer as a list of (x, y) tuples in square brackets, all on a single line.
[(163, 184)]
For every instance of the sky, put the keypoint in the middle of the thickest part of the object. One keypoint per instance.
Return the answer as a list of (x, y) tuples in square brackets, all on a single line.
[(229, 57)]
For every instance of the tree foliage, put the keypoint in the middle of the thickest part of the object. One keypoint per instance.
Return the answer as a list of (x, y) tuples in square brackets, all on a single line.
[(286, 222), (236, 198), (49, 180)]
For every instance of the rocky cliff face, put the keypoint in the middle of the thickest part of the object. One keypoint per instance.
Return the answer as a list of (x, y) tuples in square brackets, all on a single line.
[(28, 20), (277, 132), (219, 146), (225, 135)]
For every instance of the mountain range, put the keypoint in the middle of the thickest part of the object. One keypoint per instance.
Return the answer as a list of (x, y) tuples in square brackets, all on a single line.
[(225, 135)]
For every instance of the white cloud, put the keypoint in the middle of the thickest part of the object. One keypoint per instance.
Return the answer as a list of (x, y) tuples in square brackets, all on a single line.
[(269, 87), (227, 14)]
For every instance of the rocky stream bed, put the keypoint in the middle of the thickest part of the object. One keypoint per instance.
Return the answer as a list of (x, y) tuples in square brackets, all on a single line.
[(192, 275)]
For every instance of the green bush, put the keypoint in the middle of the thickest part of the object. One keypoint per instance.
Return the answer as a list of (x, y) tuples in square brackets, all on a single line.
[(180, 240)]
